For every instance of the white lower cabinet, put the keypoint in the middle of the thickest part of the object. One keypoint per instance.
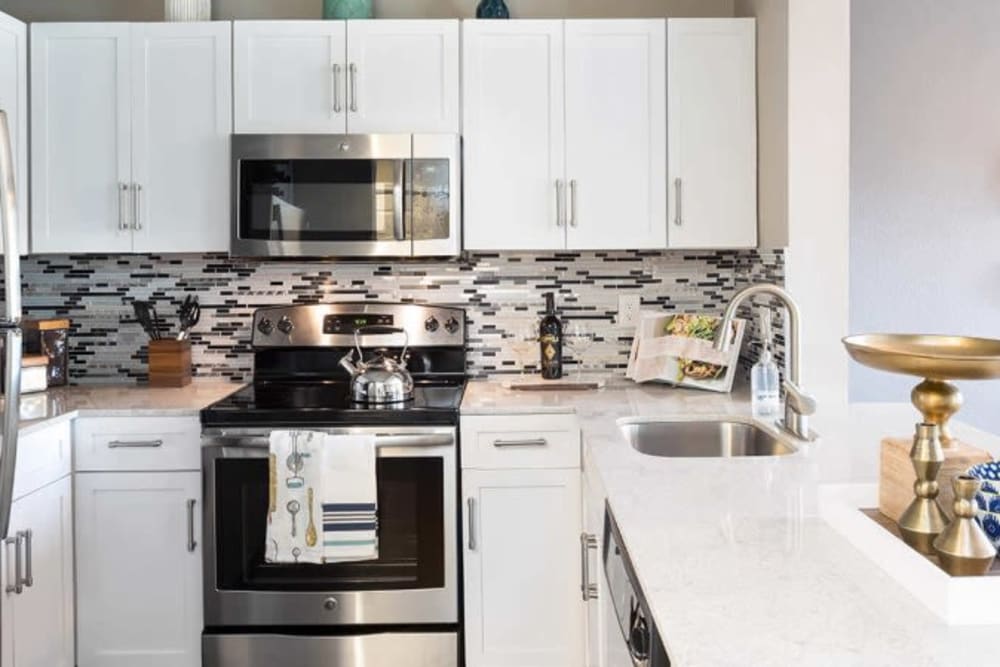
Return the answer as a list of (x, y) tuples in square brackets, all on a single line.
[(522, 604), (38, 579), (139, 569)]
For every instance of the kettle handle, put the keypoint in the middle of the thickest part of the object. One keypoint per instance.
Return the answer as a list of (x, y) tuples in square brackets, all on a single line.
[(380, 330)]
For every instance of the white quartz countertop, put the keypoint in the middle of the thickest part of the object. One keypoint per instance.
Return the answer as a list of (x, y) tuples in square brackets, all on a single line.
[(736, 565), (41, 409)]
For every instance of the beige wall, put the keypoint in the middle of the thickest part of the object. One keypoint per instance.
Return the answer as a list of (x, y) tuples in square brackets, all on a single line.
[(152, 10)]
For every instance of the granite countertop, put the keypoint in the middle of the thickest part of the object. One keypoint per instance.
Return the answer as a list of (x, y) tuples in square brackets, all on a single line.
[(39, 410), (736, 564)]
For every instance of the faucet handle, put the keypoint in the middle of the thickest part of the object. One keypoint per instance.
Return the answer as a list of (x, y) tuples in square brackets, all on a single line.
[(798, 400)]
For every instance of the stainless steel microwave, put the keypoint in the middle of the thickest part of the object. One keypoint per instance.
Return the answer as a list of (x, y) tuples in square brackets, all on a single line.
[(389, 195)]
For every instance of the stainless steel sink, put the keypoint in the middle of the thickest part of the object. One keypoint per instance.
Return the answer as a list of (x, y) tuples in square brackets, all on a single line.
[(702, 439)]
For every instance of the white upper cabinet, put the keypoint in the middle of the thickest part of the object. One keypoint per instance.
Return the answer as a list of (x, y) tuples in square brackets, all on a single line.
[(334, 77), (130, 137), (616, 144), (81, 168), (14, 100), (181, 123), (403, 76), (514, 135), (290, 77), (712, 133), (565, 137)]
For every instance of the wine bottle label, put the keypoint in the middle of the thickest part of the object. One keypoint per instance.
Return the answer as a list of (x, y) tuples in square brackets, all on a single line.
[(549, 343)]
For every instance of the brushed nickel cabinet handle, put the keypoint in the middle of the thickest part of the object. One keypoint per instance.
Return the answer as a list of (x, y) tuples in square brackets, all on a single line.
[(353, 70), (135, 444), (588, 591), (192, 543), (560, 203), (534, 442), (11, 586), (29, 578), (136, 206), (123, 223), (678, 216), (471, 507), (337, 106), (18, 586), (572, 204)]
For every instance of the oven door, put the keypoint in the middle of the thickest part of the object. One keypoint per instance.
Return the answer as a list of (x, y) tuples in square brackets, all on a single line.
[(321, 195), (414, 579)]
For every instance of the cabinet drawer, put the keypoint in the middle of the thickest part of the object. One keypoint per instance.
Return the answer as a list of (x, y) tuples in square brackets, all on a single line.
[(137, 443), (520, 441), (42, 457)]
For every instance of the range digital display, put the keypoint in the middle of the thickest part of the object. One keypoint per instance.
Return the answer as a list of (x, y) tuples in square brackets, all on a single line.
[(348, 324)]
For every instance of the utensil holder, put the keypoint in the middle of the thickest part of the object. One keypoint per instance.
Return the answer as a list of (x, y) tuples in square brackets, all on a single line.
[(963, 547), (924, 519), (169, 363)]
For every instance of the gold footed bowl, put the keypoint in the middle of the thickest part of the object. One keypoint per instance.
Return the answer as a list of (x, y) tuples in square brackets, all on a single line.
[(937, 359)]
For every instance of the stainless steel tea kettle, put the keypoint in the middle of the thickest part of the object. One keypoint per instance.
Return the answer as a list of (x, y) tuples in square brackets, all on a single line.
[(382, 379)]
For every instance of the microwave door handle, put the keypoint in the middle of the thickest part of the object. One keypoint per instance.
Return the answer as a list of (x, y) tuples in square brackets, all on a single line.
[(398, 202)]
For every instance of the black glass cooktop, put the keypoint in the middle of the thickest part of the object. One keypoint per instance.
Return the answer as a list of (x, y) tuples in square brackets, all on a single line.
[(284, 403)]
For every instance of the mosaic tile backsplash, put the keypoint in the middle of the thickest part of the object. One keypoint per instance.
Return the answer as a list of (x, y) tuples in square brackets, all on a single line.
[(500, 292)]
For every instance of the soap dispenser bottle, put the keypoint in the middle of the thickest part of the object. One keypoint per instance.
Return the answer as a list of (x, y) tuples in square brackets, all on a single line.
[(765, 382)]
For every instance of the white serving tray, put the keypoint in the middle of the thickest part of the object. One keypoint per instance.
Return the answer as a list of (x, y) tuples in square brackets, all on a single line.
[(956, 600)]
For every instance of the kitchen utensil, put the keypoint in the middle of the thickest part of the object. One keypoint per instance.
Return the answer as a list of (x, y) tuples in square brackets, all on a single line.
[(157, 327), (295, 464), (189, 315), (382, 379), (964, 549), (924, 519), (311, 529), (293, 508), (144, 315), (937, 359)]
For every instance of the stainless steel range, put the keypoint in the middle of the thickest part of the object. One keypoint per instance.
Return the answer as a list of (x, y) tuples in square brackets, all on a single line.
[(400, 609)]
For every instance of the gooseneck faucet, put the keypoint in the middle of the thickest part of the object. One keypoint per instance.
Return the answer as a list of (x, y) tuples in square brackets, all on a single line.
[(798, 404)]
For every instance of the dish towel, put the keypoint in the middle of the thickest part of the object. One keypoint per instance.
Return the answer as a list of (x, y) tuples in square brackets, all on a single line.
[(350, 499), (294, 516)]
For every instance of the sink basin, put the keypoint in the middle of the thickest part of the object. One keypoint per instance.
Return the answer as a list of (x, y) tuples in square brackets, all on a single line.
[(723, 439)]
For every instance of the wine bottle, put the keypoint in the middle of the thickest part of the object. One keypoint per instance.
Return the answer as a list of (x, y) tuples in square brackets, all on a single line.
[(550, 338)]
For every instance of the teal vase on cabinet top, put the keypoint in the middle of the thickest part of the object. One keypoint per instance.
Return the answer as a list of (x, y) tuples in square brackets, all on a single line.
[(347, 9), (492, 9)]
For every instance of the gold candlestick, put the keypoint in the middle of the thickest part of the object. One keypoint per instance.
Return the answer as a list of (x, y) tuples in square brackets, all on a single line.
[(924, 519), (963, 547)]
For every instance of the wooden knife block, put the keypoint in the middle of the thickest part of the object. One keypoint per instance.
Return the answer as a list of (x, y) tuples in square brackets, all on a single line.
[(169, 363), (896, 476)]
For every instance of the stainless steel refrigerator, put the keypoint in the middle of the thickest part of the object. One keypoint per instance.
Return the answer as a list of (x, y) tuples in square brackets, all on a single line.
[(10, 325)]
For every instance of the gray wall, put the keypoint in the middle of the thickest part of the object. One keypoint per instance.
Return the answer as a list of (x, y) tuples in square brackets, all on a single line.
[(152, 10), (925, 180)]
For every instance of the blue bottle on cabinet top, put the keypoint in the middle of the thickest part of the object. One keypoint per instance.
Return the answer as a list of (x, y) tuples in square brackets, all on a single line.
[(492, 9)]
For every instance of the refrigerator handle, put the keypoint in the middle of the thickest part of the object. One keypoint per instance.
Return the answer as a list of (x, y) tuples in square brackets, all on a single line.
[(10, 324)]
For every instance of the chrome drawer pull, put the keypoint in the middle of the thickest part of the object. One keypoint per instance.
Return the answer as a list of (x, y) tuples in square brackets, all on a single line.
[(588, 591), (192, 543), (471, 504), (536, 442), (7, 543), (135, 444), (28, 579)]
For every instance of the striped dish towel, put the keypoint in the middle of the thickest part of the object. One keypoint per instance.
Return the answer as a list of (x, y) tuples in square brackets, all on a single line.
[(350, 499)]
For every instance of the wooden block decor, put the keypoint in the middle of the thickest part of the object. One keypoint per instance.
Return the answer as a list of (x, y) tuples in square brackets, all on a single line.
[(896, 476), (169, 363)]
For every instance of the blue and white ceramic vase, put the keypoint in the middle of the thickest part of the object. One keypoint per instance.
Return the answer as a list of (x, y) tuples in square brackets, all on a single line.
[(492, 9), (347, 9)]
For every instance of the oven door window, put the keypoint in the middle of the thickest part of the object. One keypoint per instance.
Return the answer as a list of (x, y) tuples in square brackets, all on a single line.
[(410, 532), (322, 200)]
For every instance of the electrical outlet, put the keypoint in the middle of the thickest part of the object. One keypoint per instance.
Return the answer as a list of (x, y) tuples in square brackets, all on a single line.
[(628, 309)]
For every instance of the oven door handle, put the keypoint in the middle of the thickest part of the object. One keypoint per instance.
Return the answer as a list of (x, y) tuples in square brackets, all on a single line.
[(262, 441)]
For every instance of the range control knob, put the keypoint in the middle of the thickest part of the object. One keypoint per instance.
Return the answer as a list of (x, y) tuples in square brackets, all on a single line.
[(285, 325), (432, 324), (452, 325), (265, 326)]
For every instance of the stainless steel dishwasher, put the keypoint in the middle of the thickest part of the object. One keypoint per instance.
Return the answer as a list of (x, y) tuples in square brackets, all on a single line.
[(639, 636)]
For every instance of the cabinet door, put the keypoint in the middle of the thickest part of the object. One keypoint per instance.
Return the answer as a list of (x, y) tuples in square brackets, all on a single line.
[(290, 77), (402, 76), (138, 576), (522, 568), (712, 133), (14, 100), (616, 144), (181, 123), (43, 628), (514, 134), (81, 137)]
